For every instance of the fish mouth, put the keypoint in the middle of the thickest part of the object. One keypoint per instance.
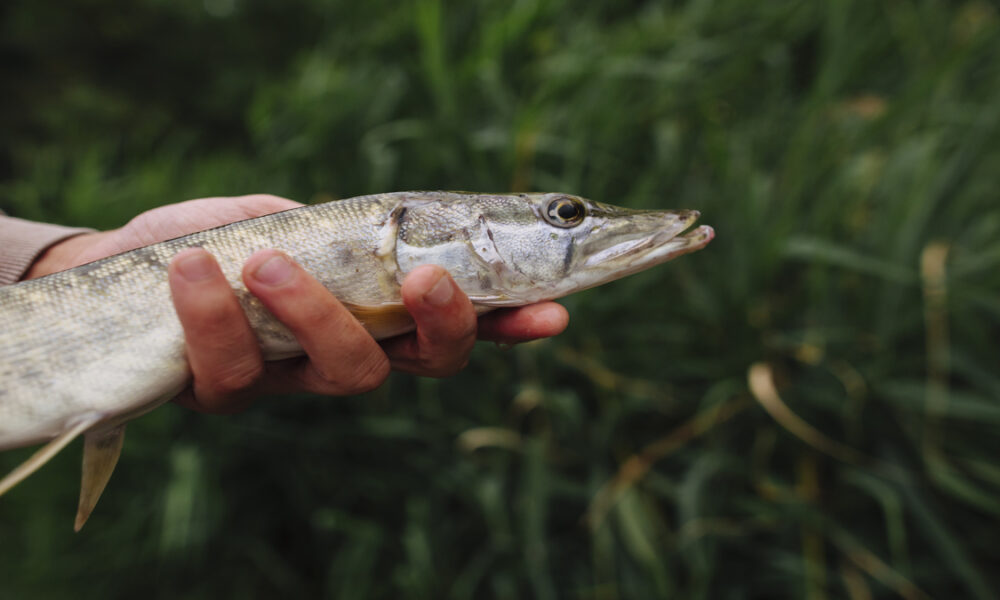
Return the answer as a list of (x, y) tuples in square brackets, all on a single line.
[(695, 239), (665, 243)]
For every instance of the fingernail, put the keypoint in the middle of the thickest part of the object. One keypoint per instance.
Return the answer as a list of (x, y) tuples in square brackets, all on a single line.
[(197, 266), (274, 271), (441, 293)]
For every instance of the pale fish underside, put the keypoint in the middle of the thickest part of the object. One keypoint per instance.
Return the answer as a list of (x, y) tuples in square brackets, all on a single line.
[(85, 350)]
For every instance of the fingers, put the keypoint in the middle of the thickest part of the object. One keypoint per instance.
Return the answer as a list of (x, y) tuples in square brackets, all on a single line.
[(221, 348), (342, 357), (223, 351), (513, 325), (446, 325)]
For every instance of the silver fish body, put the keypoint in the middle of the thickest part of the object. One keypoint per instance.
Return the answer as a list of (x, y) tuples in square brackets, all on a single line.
[(93, 346)]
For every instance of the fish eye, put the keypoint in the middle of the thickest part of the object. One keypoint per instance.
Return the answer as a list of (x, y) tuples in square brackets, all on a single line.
[(565, 212)]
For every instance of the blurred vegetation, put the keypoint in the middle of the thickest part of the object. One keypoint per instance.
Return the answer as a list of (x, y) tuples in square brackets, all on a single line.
[(808, 408)]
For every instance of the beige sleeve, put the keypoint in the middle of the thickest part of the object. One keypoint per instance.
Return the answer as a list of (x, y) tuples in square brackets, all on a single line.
[(21, 242)]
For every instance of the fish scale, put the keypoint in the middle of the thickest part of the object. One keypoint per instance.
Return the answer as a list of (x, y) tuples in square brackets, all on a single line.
[(85, 350)]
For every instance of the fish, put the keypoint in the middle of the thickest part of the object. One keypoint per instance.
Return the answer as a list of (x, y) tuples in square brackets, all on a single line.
[(86, 350)]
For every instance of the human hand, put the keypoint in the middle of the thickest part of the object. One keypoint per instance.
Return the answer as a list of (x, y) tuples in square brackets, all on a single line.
[(340, 357)]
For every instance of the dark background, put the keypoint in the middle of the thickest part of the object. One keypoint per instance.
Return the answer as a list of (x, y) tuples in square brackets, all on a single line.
[(847, 153)]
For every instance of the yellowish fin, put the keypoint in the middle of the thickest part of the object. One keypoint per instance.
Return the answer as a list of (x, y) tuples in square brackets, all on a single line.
[(47, 451), (101, 450), (382, 321)]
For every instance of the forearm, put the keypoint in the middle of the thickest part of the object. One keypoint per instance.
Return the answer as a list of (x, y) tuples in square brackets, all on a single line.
[(26, 246)]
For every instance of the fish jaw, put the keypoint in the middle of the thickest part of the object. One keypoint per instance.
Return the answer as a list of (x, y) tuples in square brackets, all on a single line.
[(655, 239), (637, 254), (635, 259)]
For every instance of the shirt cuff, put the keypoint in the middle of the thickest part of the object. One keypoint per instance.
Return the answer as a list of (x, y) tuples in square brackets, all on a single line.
[(21, 242)]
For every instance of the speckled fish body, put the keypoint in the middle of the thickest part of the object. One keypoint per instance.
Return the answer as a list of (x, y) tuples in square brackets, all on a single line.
[(104, 337), (91, 347)]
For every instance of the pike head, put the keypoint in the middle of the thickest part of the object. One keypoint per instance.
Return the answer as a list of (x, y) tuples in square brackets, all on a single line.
[(517, 249)]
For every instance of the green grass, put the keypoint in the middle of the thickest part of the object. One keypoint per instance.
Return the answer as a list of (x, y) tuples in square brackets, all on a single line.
[(847, 154)]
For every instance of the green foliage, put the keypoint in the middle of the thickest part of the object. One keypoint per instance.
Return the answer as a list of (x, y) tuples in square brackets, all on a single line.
[(847, 153)]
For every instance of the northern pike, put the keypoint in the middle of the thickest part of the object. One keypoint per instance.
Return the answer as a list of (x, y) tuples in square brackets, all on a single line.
[(85, 350)]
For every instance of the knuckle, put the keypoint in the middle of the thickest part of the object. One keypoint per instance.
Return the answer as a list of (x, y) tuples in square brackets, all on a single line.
[(269, 198), (237, 377), (468, 332), (214, 326), (269, 202), (440, 361), (370, 374), (215, 313), (367, 374), (444, 367), (315, 316), (143, 226)]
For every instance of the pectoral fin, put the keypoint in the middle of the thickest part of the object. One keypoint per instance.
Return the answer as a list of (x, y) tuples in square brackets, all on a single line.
[(101, 449), (382, 321), (46, 452)]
